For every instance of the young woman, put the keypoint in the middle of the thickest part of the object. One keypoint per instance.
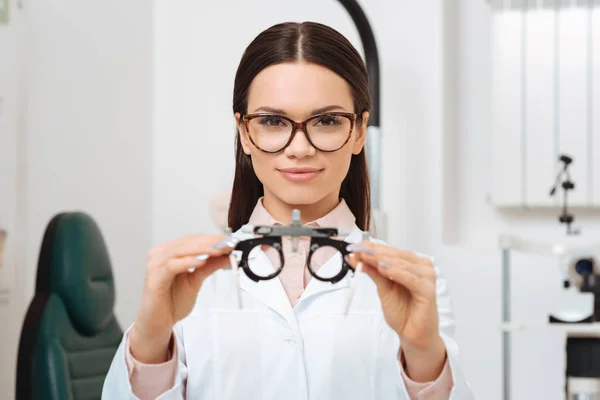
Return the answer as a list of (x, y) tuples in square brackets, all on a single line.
[(301, 103)]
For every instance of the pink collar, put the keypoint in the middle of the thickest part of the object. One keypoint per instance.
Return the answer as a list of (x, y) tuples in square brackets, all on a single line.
[(340, 217)]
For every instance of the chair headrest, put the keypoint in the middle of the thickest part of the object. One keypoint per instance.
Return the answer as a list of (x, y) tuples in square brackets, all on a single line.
[(77, 267)]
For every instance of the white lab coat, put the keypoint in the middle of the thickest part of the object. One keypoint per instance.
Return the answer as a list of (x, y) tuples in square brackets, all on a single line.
[(269, 350)]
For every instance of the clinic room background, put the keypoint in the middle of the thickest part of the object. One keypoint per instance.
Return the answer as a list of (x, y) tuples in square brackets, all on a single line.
[(122, 109)]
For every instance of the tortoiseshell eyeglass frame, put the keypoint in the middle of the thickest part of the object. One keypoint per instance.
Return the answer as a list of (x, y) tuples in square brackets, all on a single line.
[(301, 125)]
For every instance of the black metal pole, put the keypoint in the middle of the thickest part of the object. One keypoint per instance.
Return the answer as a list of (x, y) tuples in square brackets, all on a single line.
[(373, 146), (371, 56)]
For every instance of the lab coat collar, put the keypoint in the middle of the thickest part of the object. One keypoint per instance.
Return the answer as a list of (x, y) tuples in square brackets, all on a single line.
[(271, 292), (341, 216)]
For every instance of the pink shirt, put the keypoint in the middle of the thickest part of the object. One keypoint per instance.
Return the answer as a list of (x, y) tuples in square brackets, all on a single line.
[(148, 381)]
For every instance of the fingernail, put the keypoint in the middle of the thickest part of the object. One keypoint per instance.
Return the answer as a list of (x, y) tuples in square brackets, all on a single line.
[(355, 247), (202, 257), (229, 242), (383, 265)]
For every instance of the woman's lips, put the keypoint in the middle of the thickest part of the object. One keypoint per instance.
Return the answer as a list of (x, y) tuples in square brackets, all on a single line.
[(299, 174)]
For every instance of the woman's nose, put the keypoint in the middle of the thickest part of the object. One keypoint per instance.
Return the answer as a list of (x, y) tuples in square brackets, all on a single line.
[(300, 147)]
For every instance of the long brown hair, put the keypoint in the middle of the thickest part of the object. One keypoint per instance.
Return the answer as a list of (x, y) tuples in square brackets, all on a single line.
[(315, 43)]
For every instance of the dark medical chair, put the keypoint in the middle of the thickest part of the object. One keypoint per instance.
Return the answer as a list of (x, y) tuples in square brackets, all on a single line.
[(70, 333)]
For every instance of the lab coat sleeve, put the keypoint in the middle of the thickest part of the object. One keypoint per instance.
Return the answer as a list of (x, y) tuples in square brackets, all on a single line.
[(117, 384), (461, 389), (434, 390)]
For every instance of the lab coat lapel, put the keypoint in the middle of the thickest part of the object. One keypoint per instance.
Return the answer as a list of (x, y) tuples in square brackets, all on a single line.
[(270, 292)]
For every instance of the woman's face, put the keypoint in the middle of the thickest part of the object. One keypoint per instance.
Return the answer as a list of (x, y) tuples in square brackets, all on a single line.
[(300, 174)]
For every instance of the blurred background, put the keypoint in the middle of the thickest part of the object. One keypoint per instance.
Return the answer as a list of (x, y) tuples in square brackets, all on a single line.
[(122, 109)]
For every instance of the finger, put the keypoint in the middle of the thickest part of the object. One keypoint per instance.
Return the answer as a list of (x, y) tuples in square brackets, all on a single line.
[(406, 275), (189, 246), (418, 279), (383, 283), (414, 283), (176, 266), (385, 250), (391, 262), (202, 244)]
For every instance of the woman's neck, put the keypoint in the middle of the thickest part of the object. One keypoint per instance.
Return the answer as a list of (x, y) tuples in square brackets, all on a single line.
[(282, 211)]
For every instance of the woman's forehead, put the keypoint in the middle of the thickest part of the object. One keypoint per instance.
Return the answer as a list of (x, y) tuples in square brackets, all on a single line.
[(297, 88)]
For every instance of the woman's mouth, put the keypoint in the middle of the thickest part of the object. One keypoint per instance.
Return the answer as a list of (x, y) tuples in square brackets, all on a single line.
[(300, 174)]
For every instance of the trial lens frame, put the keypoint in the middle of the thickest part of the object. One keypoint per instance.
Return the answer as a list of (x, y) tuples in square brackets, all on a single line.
[(271, 235)]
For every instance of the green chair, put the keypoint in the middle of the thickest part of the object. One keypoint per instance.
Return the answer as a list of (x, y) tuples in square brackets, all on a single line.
[(70, 333)]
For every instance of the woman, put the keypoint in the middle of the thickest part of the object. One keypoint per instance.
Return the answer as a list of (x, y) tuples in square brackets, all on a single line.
[(291, 339)]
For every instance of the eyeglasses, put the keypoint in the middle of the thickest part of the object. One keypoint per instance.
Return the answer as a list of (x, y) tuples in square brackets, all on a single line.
[(326, 132)]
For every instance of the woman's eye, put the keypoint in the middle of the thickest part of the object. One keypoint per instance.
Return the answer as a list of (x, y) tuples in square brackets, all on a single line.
[(273, 121), (328, 121)]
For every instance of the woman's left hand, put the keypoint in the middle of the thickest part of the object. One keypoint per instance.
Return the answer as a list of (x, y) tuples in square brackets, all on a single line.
[(406, 284)]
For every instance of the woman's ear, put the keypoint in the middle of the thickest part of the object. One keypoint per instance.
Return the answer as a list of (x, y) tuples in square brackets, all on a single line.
[(361, 134), (246, 144)]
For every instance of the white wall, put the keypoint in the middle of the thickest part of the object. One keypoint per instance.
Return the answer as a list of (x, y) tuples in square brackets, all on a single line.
[(11, 99), (88, 138), (90, 128)]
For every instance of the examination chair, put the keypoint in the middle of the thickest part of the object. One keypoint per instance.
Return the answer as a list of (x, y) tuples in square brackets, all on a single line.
[(70, 333)]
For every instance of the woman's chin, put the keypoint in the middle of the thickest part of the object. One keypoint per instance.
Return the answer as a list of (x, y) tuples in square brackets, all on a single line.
[(298, 195)]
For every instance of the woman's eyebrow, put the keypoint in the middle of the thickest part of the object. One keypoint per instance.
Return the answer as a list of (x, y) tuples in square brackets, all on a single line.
[(313, 112), (270, 110), (327, 109)]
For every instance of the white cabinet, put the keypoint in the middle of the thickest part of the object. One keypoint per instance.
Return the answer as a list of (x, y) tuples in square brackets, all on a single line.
[(507, 108), (540, 104), (545, 102), (573, 76)]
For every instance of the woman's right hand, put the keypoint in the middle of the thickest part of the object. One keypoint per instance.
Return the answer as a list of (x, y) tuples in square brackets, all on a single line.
[(170, 290)]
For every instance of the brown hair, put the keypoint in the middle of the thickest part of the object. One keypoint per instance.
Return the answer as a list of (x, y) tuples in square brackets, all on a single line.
[(315, 43)]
